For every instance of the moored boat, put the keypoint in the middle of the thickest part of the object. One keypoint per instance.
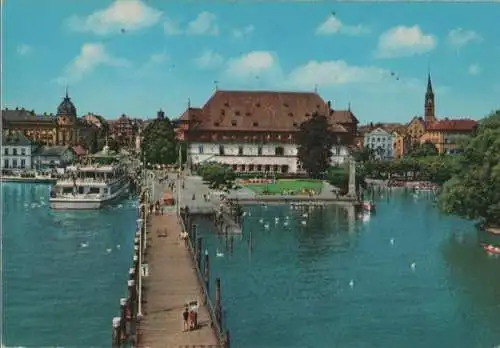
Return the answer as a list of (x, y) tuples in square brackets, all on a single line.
[(491, 248), (91, 185), (368, 206)]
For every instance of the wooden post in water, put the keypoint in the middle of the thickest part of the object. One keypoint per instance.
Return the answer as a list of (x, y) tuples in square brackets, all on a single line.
[(116, 332), (131, 298), (206, 270), (198, 252), (227, 340), (218, 309), (123, 318), (232, 243)]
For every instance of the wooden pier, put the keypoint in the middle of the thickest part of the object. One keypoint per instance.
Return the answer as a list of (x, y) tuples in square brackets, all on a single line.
[(172, 281)]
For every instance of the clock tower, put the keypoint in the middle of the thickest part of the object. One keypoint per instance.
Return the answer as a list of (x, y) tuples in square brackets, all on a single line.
[(430, 115)]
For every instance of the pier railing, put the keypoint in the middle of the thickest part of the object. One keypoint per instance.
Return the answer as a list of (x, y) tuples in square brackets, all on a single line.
[(215, 312)]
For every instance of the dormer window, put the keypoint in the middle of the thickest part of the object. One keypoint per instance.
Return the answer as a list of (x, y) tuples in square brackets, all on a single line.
[(216, 124), (295, 124), (237, 113), (248, 113), (308, 114), (233, 123), (257, 105), (290, 114), (222, 112), (285, 105), (226, 104), (256, 124)]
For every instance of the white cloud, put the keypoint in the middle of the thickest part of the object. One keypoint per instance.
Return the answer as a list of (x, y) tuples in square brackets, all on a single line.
[(121, 14), (474, 69), (23, 49), (243, 32), (209, 60), (335, 72), (204, 24), (92, 55), (171, 27), (460, 37), (251, 65), (404, 41), (333, 25)]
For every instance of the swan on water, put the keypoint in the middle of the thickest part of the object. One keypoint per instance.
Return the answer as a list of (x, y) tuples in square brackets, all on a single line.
[(392, 241), (84, 245), (413, 266), (108, 250), (351, 283), (261, 220), (266, 226), (219, 253), (285, 223), (304, 215), (304, 222), (118, 246)]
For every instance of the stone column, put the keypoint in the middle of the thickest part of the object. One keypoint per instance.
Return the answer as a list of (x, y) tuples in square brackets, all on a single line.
[(352, 192)]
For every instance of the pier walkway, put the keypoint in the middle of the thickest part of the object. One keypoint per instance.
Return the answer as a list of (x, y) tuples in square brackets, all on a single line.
[(170, 284)]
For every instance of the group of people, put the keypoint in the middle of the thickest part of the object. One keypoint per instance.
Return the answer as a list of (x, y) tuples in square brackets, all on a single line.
[(190, 318)]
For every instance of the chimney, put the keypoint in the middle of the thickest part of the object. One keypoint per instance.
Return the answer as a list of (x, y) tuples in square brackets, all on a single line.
[(161, 114)]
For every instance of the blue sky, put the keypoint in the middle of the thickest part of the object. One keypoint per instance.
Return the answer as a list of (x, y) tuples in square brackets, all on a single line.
[(171, 51)]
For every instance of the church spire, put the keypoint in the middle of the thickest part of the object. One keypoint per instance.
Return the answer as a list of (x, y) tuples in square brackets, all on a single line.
[(429, 105), (67, 96)]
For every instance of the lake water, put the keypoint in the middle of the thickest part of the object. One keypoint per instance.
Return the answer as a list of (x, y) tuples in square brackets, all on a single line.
[(57, 292), (335, 283)]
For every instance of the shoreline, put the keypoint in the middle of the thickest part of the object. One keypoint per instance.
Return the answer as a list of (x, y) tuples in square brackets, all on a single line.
[(28, 180), (493, 230)]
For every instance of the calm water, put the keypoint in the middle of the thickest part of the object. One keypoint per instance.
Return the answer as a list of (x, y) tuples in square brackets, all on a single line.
[(56, 292), (333, 284)]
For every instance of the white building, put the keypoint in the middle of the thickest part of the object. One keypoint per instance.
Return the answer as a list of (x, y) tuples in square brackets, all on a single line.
[(255, 131), (54, 156), (17, 150), (278, 158), (381, 142)]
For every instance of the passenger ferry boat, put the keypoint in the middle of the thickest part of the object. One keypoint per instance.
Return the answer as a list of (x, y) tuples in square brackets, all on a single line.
[(91, 185)]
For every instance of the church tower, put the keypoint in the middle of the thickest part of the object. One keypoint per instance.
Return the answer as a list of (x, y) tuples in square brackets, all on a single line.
[(430, 115)]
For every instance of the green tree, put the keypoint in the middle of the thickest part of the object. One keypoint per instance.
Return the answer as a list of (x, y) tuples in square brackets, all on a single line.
[(315, 141), (474, 191), (159, 145), (217, 175), (423, 150), (363, 155)]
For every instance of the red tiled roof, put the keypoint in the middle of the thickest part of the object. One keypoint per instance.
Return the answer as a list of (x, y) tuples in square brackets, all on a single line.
[(459, 125), (79, 150), (260, 111)]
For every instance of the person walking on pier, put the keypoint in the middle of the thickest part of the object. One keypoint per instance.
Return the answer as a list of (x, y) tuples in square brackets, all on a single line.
[(185, 316)]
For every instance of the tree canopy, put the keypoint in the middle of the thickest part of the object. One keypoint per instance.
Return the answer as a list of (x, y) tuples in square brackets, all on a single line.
[(315, 141), (159, 145), (217, 175), (339, 177), (423, 150), (474, 191)]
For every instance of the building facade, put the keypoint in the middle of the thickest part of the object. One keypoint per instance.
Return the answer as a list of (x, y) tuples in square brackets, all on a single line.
[(124, 130), (17, 150), (401, 143), (381, 142), (64, 128), (53, 156), (447, 134), (255, 131)]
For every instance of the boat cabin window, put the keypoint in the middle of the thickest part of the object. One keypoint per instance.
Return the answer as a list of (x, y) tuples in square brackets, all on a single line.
[(80, 190), (67, 190), (105, 190), (94, 190)]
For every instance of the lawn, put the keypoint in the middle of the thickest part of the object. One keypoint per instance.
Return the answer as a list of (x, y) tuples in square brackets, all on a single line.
[(281, 185)]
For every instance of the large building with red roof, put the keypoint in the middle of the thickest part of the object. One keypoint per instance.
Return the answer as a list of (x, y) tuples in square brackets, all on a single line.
[(254, 131)]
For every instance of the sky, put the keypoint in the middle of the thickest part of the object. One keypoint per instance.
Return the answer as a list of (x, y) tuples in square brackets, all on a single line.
[(134, 57)]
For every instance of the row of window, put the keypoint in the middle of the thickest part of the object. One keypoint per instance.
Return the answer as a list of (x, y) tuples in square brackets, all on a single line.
[(261, 167), (15, 164), (14, 151), (278, 151)]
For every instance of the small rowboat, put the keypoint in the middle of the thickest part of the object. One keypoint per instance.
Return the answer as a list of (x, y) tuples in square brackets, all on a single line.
[(491, 248)]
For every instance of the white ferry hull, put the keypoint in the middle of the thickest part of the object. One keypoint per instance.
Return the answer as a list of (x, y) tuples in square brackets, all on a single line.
[(86, 203)]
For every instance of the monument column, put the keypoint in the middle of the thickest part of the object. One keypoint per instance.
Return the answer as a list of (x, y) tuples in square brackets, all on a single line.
[(352, 192)]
